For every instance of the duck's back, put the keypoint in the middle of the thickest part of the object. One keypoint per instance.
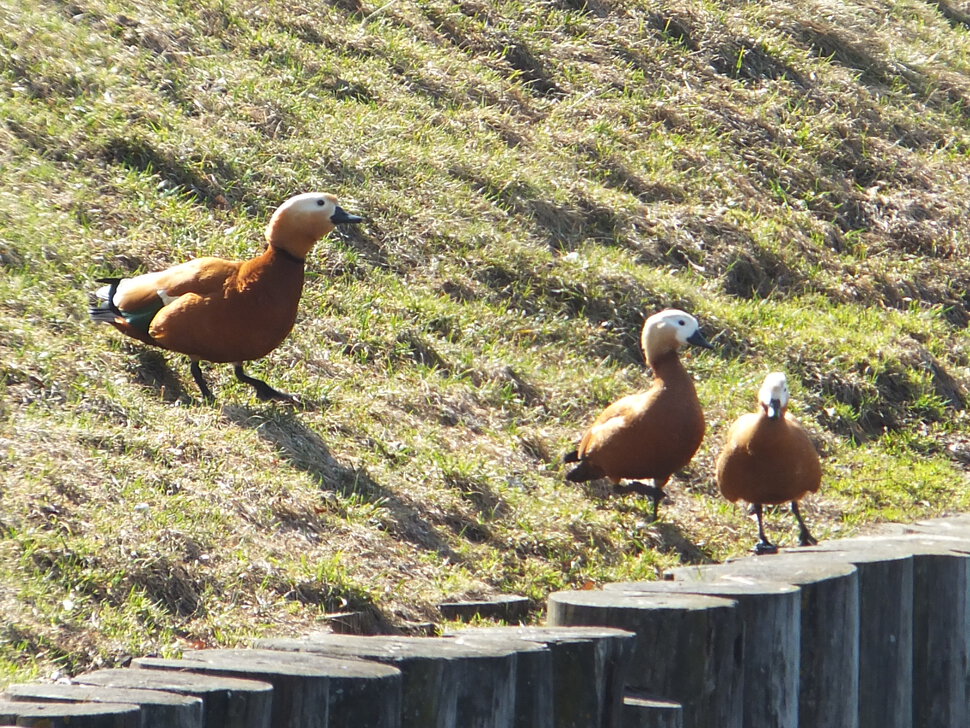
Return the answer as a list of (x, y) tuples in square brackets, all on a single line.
[(243, 319), (648, 435), (768, 461)]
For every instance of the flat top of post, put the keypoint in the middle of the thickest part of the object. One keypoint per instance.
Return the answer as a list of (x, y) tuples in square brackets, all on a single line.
[(171, 680), (641, 600), (919, 543), (801, 570), (28, 709), (860, 550), (99, 694), (386, 647), (502, 641), (270, 660), (731, 590), (554, 635)]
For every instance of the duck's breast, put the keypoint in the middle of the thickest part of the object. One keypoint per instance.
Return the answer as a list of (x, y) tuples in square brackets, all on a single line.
[(768, 461)]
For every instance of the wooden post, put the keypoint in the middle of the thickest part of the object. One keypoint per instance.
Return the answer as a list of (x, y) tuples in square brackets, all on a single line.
[(445, 683), (159, 709), (507, 607), (359, 693), (640, 711), (689, 648), (941, 629), (226, 702), (771, 616), (885, 627), (300, 694), (70, 715), (828, 692), (533, 675), (588, 676)]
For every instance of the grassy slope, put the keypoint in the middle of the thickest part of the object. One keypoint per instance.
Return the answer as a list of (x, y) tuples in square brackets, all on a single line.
[(536, 178)]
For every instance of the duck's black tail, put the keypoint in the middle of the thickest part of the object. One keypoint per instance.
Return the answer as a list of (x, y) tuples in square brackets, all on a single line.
[(105, 310), (584, 471)]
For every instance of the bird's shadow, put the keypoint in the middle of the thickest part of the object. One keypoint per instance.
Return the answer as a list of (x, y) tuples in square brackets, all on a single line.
[(305, 450), (154, 371), (671, 538), (661, 535)]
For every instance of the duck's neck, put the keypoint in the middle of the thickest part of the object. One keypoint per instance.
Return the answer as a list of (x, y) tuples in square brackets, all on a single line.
[(273, 252), (667, 366), (275, 267)]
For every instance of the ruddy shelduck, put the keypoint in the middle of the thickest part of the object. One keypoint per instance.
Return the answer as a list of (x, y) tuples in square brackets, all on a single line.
[(655, 433), (226, 310), (769, 459)]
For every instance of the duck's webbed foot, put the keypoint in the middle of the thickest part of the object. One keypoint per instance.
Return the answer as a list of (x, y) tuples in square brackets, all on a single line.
[(264, 392), (648, 491), (764, 547)]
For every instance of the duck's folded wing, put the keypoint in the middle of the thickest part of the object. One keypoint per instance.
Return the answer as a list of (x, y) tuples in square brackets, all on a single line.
[(203, 276), (611, 422)]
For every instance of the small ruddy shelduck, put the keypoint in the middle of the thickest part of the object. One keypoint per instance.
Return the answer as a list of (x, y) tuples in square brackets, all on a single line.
[(655, 433), (769, 459), (226, 310)]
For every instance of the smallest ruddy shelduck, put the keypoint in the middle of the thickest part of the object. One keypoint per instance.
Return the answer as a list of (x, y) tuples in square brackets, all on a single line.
[(769, 459)]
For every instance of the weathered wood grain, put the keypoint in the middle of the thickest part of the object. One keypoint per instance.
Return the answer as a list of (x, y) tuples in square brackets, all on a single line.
[(589, 666), (688, 647), (771, 616), (70, 715), (445, 683), (226, 702), (828, 692), (159, 709)]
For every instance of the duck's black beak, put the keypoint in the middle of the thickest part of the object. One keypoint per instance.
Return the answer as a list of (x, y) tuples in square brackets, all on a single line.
[(697, 339), (342, 217), (773, 409)]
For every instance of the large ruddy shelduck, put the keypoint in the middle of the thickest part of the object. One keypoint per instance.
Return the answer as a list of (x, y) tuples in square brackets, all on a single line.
[(655, 433), (226, 311), (768, 459)]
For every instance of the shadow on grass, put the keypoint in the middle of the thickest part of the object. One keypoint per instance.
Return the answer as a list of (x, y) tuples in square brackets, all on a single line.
[(664, 535), (305, 449), (153, 371)]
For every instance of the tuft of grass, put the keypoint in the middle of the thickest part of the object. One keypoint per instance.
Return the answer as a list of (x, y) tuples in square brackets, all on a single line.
[(536, 179)]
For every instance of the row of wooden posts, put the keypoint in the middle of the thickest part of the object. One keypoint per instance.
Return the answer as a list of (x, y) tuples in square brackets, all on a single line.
[(860, 633)]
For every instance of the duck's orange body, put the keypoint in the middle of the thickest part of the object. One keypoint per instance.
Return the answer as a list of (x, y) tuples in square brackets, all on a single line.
[(652, 434), (768, 459), (655, 433), (226, 310)]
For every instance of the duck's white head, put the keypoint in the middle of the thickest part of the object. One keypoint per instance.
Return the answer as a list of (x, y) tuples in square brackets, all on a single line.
[(302, 220), (773, 395), (668, 331)]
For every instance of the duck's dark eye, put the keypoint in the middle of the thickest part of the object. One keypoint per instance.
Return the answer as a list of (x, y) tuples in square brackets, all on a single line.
[(681, 323), (321, 202)]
